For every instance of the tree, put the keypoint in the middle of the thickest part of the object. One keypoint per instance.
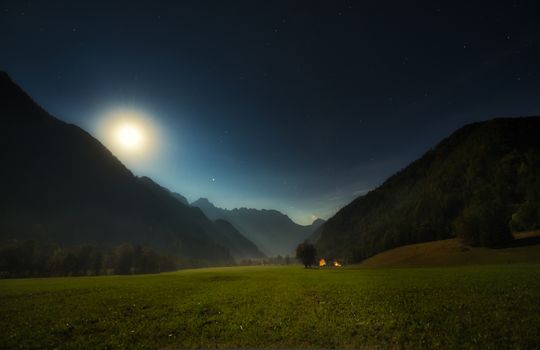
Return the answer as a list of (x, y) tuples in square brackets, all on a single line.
[(527, 217), (484, 224), (306, 253), (123, 259)]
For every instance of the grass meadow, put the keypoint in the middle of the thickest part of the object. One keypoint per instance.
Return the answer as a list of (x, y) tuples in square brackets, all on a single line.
[(489, 306)]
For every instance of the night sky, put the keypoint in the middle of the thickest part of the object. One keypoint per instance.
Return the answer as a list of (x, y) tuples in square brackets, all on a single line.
[(293, 105)]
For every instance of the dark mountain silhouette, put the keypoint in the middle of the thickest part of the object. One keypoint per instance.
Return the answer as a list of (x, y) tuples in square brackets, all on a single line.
[(317, 222), (239, 246), (478, 184), (272, 231), (316, 234), (181, 198), (59, 184)]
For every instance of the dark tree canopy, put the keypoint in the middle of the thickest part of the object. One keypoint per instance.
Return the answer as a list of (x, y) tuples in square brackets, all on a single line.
[(306, 253)]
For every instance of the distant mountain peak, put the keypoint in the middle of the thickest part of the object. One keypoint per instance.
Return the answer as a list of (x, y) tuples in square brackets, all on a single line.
[(203, 202), (271, 230), (318, 222)]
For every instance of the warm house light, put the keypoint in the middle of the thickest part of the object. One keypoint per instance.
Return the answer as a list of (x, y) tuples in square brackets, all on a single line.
[(322, 263)]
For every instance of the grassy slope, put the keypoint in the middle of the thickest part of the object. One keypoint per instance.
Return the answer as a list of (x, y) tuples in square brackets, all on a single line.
[(489, 306), (451, 252)]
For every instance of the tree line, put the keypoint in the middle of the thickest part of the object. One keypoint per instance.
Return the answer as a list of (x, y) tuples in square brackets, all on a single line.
[(30, 258), (270, 260)]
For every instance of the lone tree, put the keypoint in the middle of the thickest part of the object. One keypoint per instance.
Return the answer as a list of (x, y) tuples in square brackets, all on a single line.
[(305, 252)]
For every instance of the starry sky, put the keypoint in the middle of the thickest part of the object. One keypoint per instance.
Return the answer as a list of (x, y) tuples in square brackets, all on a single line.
[(299, 106)]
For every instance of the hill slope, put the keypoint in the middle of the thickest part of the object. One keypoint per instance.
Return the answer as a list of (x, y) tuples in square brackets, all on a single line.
[(60, 184), (272, 231), (453, 252), (477, 184)]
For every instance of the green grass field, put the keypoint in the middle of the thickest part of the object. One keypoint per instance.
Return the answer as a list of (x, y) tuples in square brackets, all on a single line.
[(490, 306)]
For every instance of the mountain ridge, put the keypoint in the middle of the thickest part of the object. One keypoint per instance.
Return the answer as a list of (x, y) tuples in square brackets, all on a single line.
[(479, 183), (271, 230), (60, 184)]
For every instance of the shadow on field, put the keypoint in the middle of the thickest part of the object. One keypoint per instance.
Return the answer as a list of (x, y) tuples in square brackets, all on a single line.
[(525, 241)]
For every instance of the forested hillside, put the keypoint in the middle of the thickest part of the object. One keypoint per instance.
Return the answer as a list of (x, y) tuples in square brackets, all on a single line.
[(480, 184)]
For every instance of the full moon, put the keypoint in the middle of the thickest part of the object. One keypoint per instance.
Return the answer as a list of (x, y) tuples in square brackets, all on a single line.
[(130, 136), (129, 133)]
